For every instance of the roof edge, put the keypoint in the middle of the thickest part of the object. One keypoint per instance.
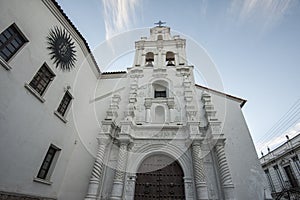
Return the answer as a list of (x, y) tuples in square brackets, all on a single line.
[(242, 101), (67, 19)]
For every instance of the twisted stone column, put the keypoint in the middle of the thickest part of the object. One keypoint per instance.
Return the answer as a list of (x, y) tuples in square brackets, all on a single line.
[(97, 170), (118, 183), (225, 176), (199, 173)]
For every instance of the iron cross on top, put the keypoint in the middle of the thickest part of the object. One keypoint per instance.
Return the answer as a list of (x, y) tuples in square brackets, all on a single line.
[(159, 23)]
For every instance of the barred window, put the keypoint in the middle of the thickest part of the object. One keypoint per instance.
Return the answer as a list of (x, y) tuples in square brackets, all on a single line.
[(160, 94), (42, 79), (48, 161), (64, 104), (11, 40)]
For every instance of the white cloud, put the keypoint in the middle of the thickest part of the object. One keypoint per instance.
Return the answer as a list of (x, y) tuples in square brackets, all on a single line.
[(203, 8), (119, 15), (266, 12), (275, 142)]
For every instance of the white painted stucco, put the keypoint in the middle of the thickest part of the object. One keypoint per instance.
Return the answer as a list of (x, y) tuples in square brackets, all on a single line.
[(121, 107)]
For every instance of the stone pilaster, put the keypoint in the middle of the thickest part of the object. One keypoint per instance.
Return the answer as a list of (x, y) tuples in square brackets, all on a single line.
[(171, 105), (148, 104), (130, 186), (118, 183), (199, 173), (225, 176), (97, 170)]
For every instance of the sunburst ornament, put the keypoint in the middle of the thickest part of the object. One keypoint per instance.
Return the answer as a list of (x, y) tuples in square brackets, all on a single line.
[(62, 48)]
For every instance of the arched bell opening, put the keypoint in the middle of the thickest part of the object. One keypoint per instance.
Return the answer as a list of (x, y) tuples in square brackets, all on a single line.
[(159, 37), (149, 59), (170, 58), (159, 177)]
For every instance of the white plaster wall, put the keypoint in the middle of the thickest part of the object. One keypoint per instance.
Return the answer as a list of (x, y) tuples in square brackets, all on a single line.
[(27, 126), (248, 177), (105, 90)]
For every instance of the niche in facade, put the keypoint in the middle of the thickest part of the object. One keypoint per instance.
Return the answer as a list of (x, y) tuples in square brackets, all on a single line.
[(159, 115), (170, 58), (149, 59)]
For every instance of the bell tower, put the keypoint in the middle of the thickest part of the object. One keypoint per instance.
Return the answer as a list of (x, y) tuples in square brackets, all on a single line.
[(160, 49), (165, 79)]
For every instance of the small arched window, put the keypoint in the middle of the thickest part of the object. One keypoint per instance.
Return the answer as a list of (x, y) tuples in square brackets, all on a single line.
[(170, 58), (159, 37), (160, 89), (149, 59)]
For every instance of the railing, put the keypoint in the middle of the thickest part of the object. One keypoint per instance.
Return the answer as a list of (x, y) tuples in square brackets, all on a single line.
[(288, 193)]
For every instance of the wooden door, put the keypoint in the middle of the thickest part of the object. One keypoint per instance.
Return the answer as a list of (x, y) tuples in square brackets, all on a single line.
[(159, 177)]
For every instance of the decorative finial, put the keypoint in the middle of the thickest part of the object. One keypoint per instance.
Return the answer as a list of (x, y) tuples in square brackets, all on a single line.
[(159, 23)]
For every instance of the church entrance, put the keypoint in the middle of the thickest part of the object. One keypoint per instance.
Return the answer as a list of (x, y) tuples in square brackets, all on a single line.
[(159, 177)]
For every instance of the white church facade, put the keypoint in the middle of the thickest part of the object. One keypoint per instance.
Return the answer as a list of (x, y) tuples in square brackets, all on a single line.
[(70, 131)]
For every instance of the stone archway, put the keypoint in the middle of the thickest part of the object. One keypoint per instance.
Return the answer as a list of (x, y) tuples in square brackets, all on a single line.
[(159, 177)]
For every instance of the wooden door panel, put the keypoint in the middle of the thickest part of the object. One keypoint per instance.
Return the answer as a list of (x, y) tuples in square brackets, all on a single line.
[(161, 178)]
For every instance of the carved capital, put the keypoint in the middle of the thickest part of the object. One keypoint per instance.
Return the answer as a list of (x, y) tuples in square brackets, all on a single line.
[(103, 140), (194, 129), (148, 103), (171, 103)]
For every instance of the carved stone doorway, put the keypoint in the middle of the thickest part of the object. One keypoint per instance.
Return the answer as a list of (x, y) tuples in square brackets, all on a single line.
[(159, 177)]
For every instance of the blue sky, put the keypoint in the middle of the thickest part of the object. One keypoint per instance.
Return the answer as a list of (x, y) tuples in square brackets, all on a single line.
[(255, 45)]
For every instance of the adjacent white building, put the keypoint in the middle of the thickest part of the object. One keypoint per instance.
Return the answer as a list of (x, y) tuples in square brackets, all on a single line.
[(68, 131), (282, 169)]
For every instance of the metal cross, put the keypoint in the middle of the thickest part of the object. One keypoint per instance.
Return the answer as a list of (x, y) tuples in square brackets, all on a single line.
[(159, 23)]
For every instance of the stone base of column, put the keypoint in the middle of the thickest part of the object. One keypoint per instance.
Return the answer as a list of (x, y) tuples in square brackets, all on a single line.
[(228, 192), (117, 190), (267, 194), (93, 189), (129, 187), (202, 192), (90, 198)]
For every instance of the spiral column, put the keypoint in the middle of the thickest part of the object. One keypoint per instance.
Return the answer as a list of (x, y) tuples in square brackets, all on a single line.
[(118, 183), (199, 173), (225, 176), (97, 170)]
